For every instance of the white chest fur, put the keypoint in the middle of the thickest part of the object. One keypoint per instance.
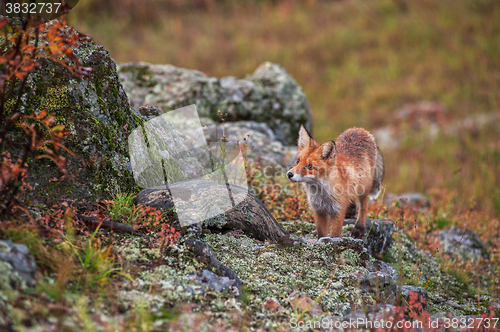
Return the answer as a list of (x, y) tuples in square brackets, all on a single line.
[(320, 198)]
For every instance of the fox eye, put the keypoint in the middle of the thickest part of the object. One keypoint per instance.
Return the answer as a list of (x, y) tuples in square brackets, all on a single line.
[(310, 167), (297, 161)]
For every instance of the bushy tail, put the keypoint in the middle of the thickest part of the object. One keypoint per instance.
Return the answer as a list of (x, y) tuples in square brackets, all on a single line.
[(378, 176)]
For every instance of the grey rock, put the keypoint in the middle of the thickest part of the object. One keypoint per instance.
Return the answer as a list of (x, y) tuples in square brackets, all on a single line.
[(378, 235), (165, 152), (407, 198), (383, 276), (263, 147), (385, 272), (334, 240), (18, 256), (268, 96), (209, 279), (96, 111), (462, 243), (6, 246), (343, 242), (147, 112)]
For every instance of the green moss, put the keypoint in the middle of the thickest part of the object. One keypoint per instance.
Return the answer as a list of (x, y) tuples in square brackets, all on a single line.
[(98, 115), (55, 98)]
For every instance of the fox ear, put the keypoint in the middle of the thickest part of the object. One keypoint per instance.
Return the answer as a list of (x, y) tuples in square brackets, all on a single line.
[(305, 138), (328, 150)]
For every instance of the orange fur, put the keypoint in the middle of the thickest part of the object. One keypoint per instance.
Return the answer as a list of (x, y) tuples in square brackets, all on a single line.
[(337, 174)]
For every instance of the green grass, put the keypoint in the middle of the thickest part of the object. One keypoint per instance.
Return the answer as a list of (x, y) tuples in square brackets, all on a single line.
[(123, 208)]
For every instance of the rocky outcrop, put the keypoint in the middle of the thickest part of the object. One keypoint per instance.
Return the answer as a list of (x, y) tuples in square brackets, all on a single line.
[(96, 111), (269, 95), (462, 243)]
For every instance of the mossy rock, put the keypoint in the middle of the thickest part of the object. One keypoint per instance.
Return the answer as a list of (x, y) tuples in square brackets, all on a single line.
[(96, 111), (269, 95)]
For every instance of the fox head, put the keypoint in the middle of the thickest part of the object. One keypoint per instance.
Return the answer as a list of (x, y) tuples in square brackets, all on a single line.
[(313, 160)]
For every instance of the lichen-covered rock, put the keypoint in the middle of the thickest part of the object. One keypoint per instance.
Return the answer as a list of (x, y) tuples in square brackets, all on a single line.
[(269, 95), (382, 278), (269, 271), (461, 243), (263, 147), (378, 235), (209, 279), (96, 111)]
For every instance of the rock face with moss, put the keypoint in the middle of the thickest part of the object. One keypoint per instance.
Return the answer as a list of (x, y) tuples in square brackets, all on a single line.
[(96, 111), (269, 95)]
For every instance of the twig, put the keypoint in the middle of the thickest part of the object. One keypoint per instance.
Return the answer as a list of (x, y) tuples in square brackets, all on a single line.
[(117, 227)]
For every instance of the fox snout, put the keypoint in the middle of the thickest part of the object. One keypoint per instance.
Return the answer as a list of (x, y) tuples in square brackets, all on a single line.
[(294, 177)]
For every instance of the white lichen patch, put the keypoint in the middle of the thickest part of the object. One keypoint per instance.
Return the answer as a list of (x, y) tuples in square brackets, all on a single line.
[(274, 272)]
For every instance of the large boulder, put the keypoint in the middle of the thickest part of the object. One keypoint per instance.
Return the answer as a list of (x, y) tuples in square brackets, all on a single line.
[(97, 112), (269, 95)]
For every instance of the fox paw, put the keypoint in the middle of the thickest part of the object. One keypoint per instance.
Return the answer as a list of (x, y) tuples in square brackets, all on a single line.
[(358, 232)]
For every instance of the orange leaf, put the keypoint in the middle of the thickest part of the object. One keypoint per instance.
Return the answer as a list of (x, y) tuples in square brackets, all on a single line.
[(3, 21), (20, 75), (41, 114), (49, 121)]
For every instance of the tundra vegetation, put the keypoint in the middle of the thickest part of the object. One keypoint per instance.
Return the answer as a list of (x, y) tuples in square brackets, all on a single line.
[(368, 64)]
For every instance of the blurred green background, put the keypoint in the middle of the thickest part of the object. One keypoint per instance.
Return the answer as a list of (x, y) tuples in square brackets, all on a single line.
[(358, 62)]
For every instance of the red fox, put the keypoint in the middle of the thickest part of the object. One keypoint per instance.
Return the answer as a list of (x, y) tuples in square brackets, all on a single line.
[(337, 174)]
